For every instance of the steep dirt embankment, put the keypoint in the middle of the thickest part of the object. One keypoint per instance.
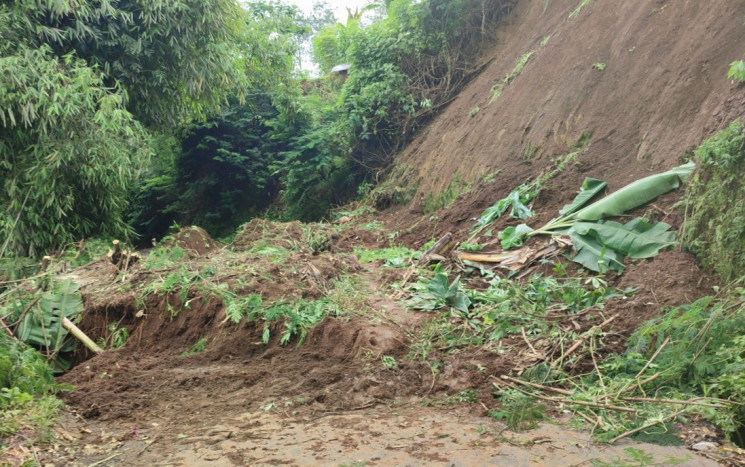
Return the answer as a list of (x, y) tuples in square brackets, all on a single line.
[(646, 79)]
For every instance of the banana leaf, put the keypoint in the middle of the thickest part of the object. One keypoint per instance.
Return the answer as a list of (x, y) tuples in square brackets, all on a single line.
[(42, 325), (636, 239), (595, 256), (636, 194), (513, 236), (590, 187)]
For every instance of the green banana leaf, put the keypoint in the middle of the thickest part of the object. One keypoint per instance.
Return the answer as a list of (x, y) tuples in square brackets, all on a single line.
[(635, 194), (42, 325), (636, 239), (595, 256), (590, 187)]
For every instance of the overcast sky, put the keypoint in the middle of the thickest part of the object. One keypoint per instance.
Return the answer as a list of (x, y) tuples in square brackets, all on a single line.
[(339, 6)]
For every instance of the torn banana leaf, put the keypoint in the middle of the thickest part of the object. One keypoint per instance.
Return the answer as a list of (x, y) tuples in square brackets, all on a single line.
[(595, 256), (589, 189), (636, 239)]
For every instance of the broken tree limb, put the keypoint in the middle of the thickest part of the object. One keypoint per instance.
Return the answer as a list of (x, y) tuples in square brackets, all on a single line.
[(485, 257), (568, 401), (75, 331), (441, 247)]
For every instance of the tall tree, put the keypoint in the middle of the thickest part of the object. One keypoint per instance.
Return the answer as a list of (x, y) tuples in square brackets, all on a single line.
[(81, 80)]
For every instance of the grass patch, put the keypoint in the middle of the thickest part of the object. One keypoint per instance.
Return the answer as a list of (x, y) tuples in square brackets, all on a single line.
[(435, 201), (714, 229), (497, 89), (579, 8), (396, 256)]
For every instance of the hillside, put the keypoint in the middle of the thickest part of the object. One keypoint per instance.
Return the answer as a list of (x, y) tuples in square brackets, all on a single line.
[(318, 344), (642, 84)]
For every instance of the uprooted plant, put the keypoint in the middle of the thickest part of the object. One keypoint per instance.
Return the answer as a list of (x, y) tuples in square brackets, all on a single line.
[(531, 309), (601, 245)]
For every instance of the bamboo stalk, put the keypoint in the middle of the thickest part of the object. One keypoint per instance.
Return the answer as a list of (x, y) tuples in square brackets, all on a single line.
[(75, 331)]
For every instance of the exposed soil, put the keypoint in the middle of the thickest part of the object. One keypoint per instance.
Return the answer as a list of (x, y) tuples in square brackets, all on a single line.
[(331, 401)]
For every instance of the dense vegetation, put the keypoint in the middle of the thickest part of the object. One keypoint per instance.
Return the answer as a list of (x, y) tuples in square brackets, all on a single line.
[(122, 118), (715, 222)]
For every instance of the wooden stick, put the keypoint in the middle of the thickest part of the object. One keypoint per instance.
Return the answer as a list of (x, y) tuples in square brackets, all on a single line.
[(75, 331), (536, 385), (7, 329), (532, 349), (664, 343), (484, 257), (638, 384), (580, 341), (672, 401), (636, 430)]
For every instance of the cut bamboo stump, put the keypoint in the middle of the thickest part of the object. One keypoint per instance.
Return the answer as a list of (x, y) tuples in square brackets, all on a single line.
[(80, 335)]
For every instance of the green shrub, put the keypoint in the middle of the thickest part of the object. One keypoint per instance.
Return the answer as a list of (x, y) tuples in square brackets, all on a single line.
[(715, 213)]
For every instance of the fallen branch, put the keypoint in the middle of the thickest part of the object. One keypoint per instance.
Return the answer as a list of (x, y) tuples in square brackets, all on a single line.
[(581, 340), (569, 401), (673, 401)]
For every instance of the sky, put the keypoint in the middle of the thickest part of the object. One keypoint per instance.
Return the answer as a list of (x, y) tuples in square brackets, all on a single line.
[(339, 6)]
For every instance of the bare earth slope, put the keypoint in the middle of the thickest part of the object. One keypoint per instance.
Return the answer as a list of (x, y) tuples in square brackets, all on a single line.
[(646, 79)]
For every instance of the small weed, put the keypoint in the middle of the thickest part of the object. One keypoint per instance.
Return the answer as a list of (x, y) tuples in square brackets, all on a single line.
[(275, 254), (579, 8), (433, 202), (497, 89), (583, 140), (529, 152), (394, 254), (519, 412), (389, 362), (474, 111), (197, 347), (116, 339), (737, 70), (163, 257), (599, 66)]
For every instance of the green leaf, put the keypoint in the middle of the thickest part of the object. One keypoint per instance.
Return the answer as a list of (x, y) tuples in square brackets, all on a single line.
[(438, 286), (460, 302), (594, 256), (513, 236), (637, 239), (590, 187), (737, 70), (519, 210), (636, 194)]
